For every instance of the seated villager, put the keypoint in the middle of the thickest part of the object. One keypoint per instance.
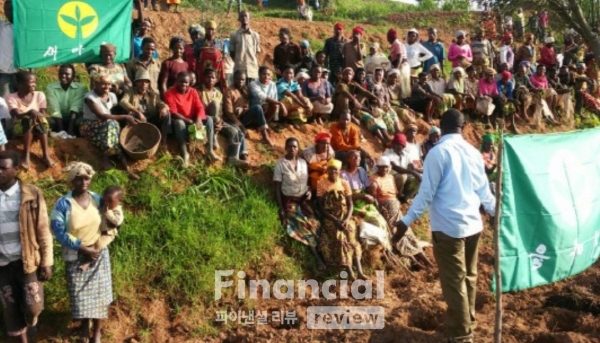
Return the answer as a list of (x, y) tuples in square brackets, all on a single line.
[(376, 59), (456, 87), (293, 195), (65, 100), (433, 137), (383, 189), (545, 92), (289, 93), (413, 147), (338, 241), (563, 91), (488, 153), (307, 58), (186, 109), (238, 111), (394, 90), (506, 90), (344, 97), (116, 73), (28, 109), (471, 89), (212, 99), (406, 175), (317, 157), (383, 108), (319, 92), (345, 137), (489, 97), (523, 91), (423, 99), (263, 92), (438, 86), (583, 96), (144, 104), (100, 126)]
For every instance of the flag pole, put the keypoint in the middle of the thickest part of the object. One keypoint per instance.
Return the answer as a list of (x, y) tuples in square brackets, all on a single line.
[(498, 275)]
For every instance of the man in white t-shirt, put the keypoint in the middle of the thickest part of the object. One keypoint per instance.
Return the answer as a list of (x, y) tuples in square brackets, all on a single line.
[(413, 148)]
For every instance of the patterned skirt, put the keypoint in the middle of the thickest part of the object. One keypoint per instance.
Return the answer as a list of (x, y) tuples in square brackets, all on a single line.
[(301, 222), (295, 111), (90, 291), (102, 133), (448, 101), (408, 244), (338, 247)]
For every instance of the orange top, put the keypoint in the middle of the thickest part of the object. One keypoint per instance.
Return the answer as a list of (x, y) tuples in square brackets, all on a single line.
[(384, 187), (344, 140)]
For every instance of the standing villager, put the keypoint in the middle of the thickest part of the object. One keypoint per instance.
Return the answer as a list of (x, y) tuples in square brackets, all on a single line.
[(286, 52), (416, 53), (75, 222), (8, 72), (26, 256), (354, 51), (460, 53), (436, 47), (144, 61), (453, 189), (334, 58), (245, 47), (116, 73), (209, 51), (398, 52), (172, 66), (293, 195)]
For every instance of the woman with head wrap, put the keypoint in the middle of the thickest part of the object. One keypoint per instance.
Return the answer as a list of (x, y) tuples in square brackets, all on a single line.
[(383, 189), (376, 59), (293, 195), (307, 58), (116, 72), (317, 157), (196, 32), (398, 51), (432, 139), (100, 126), (438, 86), (416, 53), (488, 152), (459, 52), (172, 66), (395, 95), (75, 222), (383, 115), (354, 51), (456, 87), (338, 241)]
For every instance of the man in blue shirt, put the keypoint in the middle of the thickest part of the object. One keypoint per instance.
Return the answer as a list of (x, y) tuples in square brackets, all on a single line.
[(453, 187), (437, 49)]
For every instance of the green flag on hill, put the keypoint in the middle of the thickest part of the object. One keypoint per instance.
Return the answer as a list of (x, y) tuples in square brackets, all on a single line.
[(550, 222), (51, 32)]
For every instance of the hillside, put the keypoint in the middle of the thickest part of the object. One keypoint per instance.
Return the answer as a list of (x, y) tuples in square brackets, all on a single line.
[(163, 261)]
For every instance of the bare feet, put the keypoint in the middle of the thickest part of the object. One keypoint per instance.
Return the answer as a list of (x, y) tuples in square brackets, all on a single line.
[(25, 164), (132, 174), (49, 162), (268, 142)]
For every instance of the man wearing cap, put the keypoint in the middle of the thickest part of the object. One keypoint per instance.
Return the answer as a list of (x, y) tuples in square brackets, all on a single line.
[(454, 187), (144, 104), (407, 176), (547, 54), (334, 59), (436, 48), (285, 52), (460, 53), (145, 62), (398, 51), (244, 46), (354, 51)]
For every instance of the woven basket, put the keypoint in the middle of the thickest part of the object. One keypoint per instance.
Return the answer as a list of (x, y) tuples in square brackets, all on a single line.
[(140, 141)]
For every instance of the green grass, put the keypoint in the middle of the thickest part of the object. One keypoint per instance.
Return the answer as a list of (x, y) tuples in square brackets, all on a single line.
[(180, 226)]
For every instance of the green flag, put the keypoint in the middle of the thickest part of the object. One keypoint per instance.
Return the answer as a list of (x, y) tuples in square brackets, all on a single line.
[(51, 32), (550, 222)]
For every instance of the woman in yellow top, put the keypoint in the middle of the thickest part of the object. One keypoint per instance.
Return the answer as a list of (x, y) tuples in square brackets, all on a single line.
[(337, 241), (75, 223), (383, 188), (317, 157)]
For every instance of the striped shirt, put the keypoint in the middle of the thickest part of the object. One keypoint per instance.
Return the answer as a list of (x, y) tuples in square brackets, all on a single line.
[(10, 239), (384, 186)]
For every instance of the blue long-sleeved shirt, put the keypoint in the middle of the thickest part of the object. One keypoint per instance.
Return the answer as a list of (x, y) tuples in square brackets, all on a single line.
[(454, 185), (59, 220)]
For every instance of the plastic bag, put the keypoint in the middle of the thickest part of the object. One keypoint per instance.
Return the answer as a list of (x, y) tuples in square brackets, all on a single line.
[(372, 235), (195, 134)]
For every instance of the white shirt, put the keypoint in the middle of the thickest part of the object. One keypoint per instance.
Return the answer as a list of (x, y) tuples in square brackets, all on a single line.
[(7, 48), (400, 160), (294, 182), (4, 112), (414, 52), (413, 152), (454, 185), (10, 233)]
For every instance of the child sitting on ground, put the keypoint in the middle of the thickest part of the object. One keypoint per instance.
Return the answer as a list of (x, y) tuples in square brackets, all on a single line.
[(112, 218)]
